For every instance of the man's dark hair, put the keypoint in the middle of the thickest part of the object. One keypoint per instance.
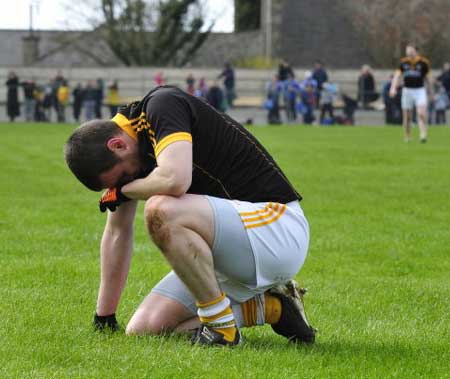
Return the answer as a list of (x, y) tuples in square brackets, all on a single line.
[(86, 152)]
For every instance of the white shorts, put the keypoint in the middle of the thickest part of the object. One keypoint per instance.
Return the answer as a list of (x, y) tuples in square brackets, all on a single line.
[(256, 246), (414, 97)]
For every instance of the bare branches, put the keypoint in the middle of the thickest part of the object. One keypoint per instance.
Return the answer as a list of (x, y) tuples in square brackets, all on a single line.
[(388, 25), (149, 32)]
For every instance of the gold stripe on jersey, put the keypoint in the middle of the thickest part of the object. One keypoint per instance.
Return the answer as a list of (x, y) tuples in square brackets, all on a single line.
[(414, 60), (134, 126), (140, 123), (171, 138), (269, 214), (125, 125)]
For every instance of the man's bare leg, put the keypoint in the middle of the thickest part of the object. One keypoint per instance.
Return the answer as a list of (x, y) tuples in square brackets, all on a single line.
[(159, 314), (407, 116), (183, 228), (422, 120)]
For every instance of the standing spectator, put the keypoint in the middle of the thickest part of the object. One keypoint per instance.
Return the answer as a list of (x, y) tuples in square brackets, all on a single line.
[(308, 90), (77, 95), (202, 88), (291, 89), (99, 95), (190, 84), (29, 88), (48, 100), (39, 95), (444, 77), (158, 79), (215, 97), (12, 96), (285, 70), (90, 100), (229, 82), (320, 76), (273, 90), (366, 87), (329, 92), (113, 98), (441, 102), (63, 95), (57, 82)]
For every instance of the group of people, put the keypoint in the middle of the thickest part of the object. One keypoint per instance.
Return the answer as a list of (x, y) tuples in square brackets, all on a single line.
[(221, 98), (314, 91), (298, 97), (41, 101), (437, 99), (38, 100)]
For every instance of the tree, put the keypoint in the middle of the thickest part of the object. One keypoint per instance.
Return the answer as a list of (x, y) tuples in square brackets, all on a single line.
[(159, 32), (247, 15), (387, 26)]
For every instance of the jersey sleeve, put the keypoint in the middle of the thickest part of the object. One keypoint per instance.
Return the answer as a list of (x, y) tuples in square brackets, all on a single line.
[(170, 119)]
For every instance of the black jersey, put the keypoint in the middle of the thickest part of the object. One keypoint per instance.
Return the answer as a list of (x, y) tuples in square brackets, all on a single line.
[(414, 71), (228, 161)]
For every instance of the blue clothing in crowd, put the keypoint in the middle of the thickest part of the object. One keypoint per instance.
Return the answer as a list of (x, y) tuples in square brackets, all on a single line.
[(291, 90)]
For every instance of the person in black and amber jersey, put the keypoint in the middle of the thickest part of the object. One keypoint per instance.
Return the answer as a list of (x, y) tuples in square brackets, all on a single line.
[(213, 197), (415, 70)]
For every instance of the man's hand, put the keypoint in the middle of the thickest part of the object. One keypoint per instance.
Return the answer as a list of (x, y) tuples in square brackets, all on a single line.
[(106, 322), (111, 199)]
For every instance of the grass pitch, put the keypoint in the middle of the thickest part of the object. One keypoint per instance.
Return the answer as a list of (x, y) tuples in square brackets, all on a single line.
[(378, 266)]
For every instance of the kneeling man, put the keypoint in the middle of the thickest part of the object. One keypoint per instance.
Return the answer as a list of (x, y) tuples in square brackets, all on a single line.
[(222, 212)]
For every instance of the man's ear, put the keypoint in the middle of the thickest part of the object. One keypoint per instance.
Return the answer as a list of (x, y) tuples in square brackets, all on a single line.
[(116, 145)]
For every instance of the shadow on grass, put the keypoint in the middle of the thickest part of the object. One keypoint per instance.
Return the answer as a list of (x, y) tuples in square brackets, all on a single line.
[(382, 350), (269, 343)]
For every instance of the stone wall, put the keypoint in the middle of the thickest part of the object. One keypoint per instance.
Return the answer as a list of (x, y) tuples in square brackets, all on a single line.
[(318, 29)]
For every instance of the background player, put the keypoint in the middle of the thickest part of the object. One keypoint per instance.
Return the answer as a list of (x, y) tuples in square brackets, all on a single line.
[(415, 70)]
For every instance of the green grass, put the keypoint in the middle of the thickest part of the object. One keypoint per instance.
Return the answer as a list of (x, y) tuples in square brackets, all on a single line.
[(378, 266)]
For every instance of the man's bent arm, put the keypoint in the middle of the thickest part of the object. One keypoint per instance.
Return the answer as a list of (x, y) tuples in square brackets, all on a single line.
[(172, 176), (116, 250)]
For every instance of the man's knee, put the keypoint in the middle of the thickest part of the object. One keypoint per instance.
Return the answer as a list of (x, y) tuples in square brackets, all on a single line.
[(407, 116), (159, 214), (152, 324), (422, 114)]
